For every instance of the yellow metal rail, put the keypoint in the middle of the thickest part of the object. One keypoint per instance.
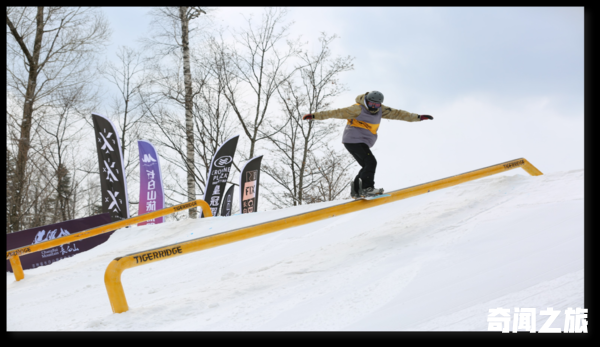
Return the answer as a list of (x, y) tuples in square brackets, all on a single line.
[(112, 276), (13, 254)]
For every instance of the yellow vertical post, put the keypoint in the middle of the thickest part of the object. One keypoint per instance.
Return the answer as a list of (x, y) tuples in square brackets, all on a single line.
[(532, 170), (15, 262), (114, 287)]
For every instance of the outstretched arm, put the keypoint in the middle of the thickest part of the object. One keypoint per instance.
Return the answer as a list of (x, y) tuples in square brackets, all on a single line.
[(392, 113), (341, 113)]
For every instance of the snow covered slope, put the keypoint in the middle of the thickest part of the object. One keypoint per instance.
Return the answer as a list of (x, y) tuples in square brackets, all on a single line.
[(438, 261)]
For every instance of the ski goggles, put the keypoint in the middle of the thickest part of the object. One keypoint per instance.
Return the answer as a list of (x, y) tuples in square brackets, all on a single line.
[(373, 104)]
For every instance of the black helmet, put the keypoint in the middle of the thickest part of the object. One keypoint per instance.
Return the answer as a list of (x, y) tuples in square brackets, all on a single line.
[(373, 97)]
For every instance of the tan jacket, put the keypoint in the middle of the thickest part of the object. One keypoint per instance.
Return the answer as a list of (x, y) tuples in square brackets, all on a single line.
[(353, 111)]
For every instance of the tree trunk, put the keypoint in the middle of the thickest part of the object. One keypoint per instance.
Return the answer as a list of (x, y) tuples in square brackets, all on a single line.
[(189, 124), (24, 140)]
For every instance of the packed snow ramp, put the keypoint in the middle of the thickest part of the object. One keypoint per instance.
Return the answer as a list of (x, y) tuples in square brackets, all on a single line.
[(112, 276)]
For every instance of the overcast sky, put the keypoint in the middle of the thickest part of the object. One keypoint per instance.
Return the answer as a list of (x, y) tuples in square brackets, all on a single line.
[(502, 83)]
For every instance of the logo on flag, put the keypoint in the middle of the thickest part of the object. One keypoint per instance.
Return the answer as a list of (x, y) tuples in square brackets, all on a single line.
[(148, 159), (223, 161)]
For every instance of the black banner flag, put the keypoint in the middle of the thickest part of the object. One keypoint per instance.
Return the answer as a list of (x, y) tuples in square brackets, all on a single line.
[(227, 203), (249, 183), (112, 174), (220, 166)]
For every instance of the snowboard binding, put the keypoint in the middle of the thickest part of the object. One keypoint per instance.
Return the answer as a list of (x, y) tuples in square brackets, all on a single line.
[(368, 193)]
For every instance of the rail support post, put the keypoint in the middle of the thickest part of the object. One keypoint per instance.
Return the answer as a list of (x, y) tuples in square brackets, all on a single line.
[(114, 287), (532, 170), (15, 263)]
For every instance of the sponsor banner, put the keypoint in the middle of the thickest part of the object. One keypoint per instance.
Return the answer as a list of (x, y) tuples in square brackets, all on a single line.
[(227, 203), (112, 175), (151, 188), (49, 232), (249, 184), (218, 174)]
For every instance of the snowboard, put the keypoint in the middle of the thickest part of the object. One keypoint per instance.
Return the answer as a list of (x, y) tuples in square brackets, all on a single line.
[(373, 197)]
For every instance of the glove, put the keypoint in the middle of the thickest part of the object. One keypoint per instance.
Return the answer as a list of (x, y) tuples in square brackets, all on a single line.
[(425, 116), (308, 117)]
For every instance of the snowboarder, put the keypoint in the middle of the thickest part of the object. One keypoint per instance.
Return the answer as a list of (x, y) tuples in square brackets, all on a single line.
[(360, 134)]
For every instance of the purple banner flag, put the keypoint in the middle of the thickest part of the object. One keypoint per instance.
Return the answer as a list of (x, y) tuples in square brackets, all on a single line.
[(151, 188), (52, 231)]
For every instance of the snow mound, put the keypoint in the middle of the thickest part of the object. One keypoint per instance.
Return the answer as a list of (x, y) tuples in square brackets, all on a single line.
[(438, 261)]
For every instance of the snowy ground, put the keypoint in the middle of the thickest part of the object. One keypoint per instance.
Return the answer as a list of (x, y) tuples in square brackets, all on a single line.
[(435, 262)]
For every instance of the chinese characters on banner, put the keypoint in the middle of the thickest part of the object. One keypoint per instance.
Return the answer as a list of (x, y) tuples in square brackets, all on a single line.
[(218, 174), (112, 175), (249, 185), (524, 319), (48, 232), (151, 187)]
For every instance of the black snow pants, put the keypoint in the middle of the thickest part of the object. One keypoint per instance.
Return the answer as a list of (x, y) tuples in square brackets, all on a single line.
[(362, 153)]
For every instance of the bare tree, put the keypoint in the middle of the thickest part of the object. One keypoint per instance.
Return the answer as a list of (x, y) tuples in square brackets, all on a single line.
[(48, 49), (129, 75), (170, 139), (332, 169), (62, 130), (173, 33), (210, 117), (306, 169), (185, 15), (36, 184), (210, 110), (253, 70), (10, 174)]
